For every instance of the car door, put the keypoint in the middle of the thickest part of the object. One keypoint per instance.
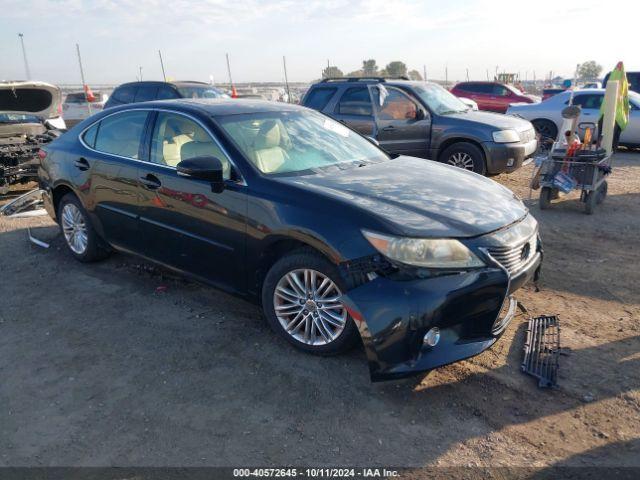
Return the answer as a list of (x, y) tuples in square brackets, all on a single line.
[(403, 125), (482, 95), (631, 134), (110, 157), (468, 90), (354, 109), (500, 98), (183, 222)]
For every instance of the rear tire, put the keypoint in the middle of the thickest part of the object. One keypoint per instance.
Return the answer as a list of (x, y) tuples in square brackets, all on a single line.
[(309, 326), (546, 128), (465, 155), (80, 237)]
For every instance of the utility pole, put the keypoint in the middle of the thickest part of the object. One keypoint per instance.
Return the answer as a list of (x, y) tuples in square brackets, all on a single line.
[(24, 56), (162, 65), (446, 76), (286, 80), (424, 70), (84, 85), (229, 71), (140, 71), (487, 74), (467, 74)]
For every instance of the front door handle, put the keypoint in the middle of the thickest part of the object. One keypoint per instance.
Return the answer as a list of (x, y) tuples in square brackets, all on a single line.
[(390, 128), (150, 182), (82, 164)]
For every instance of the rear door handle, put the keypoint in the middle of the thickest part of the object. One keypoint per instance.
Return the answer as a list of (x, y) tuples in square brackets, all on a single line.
[(150, 182), (82, 164)]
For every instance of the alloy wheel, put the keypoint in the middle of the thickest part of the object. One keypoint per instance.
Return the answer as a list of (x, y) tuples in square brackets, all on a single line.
[(307, 305), (74, 228), (461, 160)]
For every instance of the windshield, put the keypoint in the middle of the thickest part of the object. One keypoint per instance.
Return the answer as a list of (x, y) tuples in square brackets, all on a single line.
[(18, 118), (201, 92), (295, 141), (439, 100)]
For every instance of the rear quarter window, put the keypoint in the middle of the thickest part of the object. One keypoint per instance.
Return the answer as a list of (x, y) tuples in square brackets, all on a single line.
[(89, 136), (318, 98)]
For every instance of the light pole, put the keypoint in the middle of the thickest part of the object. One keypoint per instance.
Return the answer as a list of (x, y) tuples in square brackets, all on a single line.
[(24, 56)]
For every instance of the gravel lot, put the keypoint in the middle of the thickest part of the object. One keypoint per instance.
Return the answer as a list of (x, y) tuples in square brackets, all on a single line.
[(99, 366)]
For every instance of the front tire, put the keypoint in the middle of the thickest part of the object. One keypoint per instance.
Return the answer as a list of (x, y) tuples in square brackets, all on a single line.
[(80, 237), (466, 156), (300, 298)]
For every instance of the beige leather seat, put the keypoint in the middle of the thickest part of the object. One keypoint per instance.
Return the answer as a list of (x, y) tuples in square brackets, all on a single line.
[(269, 156), (201, 145)]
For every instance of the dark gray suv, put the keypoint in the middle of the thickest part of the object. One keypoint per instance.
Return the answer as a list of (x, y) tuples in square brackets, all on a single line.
[(424, 120)]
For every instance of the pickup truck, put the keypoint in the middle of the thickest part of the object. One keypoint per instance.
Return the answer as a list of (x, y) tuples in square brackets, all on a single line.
[(422, 119)]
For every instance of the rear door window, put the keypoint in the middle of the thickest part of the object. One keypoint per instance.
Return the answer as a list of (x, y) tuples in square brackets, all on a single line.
[(355, 101), (165, 92), (124, 94), (120, 134), (319, 97), (588, 101), (482, 88), (500, 91), (146, 93)]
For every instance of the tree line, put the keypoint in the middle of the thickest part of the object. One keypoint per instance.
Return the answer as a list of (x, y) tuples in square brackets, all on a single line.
[(370, 69)]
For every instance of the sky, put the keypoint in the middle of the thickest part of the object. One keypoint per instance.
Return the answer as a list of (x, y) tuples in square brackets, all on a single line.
[(117, 37)]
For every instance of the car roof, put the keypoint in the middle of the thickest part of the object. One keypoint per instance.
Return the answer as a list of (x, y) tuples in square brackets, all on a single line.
[(354, 82), (594, 91), (214, 107), (160, 82)]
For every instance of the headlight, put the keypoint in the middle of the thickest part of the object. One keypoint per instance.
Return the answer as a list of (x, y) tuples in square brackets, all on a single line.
[(424, 252), (506, 136)]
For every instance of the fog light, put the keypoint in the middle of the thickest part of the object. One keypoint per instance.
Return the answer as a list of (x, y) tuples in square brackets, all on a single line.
[(432, 337), (510, 162)]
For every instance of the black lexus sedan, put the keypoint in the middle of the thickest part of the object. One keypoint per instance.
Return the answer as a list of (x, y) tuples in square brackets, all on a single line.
[(337, 240)]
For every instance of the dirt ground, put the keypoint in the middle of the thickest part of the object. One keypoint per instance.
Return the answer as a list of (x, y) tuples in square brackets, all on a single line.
[(99, 367)]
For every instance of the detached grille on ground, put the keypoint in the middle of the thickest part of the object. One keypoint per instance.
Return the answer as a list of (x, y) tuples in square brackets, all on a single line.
[(542, 350), (514, 258)]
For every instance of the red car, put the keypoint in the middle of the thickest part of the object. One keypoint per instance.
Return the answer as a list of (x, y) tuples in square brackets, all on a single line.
[(492, 96)]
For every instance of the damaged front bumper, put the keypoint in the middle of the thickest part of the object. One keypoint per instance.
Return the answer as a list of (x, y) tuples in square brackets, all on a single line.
[(394, 316)]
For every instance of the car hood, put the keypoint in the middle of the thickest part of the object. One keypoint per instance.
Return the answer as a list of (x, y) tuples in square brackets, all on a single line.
[(421, 198), (33, 98), (497, 120)]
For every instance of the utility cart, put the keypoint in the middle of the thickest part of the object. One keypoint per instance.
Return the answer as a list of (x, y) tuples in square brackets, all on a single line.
[(584, 170)]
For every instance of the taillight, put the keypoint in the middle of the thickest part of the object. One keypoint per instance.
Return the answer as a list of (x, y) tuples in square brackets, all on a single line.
[(42, 154), (59, 109)]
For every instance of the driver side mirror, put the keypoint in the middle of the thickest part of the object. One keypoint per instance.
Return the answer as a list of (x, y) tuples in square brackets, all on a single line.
[(203, 168), (420, 114)]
